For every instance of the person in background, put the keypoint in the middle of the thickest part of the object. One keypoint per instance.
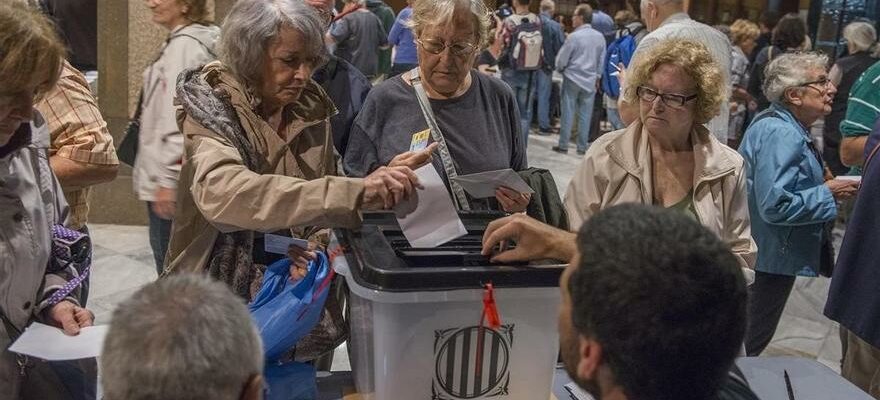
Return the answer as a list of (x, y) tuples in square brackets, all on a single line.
[(386, 16), (602, 22), (862, 52), (552, 39), (853, 299), (861, 111), (666, 19), (359, 38), (668, 157), (522, 82), (629, 25), (580, 61), (34, 285), (77, 24), (487, 61), (190, 44), (476, 114), (788, 36), (743, 34), (767, 23), (404, 43), (790, 195), (184, 337)]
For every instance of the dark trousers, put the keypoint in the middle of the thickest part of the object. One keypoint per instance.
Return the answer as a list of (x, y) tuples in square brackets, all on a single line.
[(767, 297), (160, 234)]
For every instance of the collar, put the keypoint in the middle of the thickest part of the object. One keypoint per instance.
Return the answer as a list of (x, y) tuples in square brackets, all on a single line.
[(630, 151), (677, 17), (584, 26), (783, 112)]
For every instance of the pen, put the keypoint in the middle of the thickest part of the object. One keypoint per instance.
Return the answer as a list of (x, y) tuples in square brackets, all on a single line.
[(788, 385)]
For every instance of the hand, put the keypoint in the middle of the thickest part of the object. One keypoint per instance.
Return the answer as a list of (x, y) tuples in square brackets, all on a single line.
[(534, 240), (165, 202), (512, 201), (842, 189), (414, 159), (70, 317), (387, 186), (299, 260)]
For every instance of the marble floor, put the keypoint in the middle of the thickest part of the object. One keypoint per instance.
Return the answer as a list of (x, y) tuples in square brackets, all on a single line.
[(123, 263)]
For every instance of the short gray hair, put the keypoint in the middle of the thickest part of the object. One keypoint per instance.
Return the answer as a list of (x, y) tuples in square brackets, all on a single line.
[(252, 24), (427, 13), (548, 5), (790, 70), (861, 35), (184, 337)]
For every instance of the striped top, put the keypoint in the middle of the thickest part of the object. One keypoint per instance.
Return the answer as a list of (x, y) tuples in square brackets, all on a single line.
[(863, 105)]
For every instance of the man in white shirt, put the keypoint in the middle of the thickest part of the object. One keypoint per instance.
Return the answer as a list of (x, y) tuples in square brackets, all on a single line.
[(666, 19)]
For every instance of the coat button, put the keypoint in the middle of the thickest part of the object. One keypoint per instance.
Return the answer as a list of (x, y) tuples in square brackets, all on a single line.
[(18, 217)]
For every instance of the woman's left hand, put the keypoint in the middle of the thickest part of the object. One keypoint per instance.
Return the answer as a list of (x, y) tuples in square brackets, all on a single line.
[(512, 201), (299, 260), (70, 317)]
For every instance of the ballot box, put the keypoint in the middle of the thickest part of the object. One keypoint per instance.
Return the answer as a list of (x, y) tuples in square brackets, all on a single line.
[(415, 316)]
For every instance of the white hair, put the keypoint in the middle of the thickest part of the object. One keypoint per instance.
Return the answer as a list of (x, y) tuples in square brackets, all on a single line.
[(438, 12), (181, 338), (252, 24), (790, 70), (861, 35)]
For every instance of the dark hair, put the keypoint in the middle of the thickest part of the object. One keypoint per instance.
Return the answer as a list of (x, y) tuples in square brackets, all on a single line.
[(769, 19), (585, 12), (523, 2), (663, 296), (789, 33)]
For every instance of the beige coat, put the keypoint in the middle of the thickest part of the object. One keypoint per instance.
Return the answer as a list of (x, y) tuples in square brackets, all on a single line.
[(296, 187), (617, 170)]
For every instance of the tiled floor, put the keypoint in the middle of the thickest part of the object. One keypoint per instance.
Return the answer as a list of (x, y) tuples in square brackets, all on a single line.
[(123, 263)]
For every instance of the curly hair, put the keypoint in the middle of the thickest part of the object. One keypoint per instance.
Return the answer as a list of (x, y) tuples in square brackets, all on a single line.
[(664, 297), (198, 11), (742, 30), (427, 13), (695, 60), (31, 54)]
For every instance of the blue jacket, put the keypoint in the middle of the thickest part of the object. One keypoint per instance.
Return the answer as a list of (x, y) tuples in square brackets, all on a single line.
[(552, 38), (788, 200)]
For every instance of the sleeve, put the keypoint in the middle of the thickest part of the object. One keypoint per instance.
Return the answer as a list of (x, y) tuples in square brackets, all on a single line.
[(583, 198), (861, 112), (738, 233), (394, 35), (563, 56), (53, 281), (777, 166), (361, 156), (381, 35), (78, 131), (232, 197), (340, 30)]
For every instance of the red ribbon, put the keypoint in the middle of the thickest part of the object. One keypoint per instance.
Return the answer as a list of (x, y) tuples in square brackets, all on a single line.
[(490, 309)]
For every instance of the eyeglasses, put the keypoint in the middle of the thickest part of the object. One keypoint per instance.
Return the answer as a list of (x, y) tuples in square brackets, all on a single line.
[(434, 46), (669, 99), (824, 82)]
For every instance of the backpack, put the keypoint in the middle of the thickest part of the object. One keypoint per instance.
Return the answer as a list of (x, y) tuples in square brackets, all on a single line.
[(525, 52), (619, 51)]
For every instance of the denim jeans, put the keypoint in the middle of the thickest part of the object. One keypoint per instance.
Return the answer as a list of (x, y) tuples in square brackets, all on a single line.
[(576, 101), (544, 87), (160, 234), (613, 115), (522, 83)]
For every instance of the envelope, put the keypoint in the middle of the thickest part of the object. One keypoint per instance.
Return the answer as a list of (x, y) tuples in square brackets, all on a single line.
[(483, 184), (428, 218)]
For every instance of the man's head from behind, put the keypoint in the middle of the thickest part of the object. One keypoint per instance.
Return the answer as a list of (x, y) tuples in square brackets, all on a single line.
[(654, 12), (185, 337), (654, 306)]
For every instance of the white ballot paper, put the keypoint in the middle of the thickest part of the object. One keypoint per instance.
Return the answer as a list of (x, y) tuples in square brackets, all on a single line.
[(483, 184), (856, 178), (577, 393), (50, 343), (428, 218), (278, 244)]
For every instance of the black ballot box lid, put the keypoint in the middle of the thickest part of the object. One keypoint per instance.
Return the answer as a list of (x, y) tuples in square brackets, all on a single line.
[(380, 258)]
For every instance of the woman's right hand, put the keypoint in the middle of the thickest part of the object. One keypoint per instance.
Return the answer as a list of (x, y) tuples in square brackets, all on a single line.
[(414, 159), (842, 189), (387, 186)]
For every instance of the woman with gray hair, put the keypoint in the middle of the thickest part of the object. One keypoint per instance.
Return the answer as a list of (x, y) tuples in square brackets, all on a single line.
[(474, 117), (862, 52), (259, 153), (791, 194)]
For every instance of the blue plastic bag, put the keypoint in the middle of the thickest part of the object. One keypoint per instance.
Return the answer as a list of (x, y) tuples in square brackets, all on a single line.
[(284, 312)]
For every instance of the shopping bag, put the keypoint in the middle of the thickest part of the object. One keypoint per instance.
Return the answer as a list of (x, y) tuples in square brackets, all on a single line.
[(290, 381), (285, 311)]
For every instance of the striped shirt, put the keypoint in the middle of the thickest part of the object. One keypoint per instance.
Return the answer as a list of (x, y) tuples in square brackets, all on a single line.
[(78, 133), (681, 26), (863, 105)]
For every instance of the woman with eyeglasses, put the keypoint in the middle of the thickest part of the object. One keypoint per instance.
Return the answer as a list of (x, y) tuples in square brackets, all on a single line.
[(476, 115), (667, 157), (791, 193)]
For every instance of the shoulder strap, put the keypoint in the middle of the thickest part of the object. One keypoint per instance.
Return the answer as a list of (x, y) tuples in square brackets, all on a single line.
[(459, 196)]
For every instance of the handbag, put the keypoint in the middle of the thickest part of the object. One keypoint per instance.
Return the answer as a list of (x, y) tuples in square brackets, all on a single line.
[(128, 147)]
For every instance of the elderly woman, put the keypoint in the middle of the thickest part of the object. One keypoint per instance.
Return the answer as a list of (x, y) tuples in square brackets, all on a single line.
[(259, 154), (667, 157), (190, 44), (32, 286), (790, 194), (863, 51), (476, 115), (743, 34)]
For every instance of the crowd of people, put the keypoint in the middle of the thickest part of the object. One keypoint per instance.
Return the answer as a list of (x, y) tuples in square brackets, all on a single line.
[(292, 117)]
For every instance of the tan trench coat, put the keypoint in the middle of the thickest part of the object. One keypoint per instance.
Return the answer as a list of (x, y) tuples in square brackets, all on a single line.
[(297, 186), (617, 170)]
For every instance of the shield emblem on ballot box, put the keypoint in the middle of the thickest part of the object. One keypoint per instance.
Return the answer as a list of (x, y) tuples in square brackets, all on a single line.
[(472, 362)]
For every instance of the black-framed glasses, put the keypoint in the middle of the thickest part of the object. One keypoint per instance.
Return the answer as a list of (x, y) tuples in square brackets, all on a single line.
[(824, 82), (669, 99), (434, 46)]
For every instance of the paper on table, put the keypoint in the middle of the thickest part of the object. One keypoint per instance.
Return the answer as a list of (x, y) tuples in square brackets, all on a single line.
[(50, 343), (428, 218), (483, 184)]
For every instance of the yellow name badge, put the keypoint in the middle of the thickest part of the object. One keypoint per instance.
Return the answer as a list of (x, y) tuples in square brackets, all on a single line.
[(420, 140)]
